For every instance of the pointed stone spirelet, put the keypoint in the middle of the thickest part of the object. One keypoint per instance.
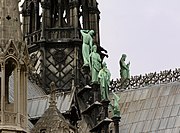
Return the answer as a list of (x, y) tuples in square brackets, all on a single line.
[(11, 39), (52, 95), (9, 22)]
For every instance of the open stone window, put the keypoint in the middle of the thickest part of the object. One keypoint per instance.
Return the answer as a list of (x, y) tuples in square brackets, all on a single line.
[(10, 82)]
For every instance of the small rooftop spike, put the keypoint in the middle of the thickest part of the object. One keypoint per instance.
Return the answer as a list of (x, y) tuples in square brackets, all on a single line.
[(52, 95)]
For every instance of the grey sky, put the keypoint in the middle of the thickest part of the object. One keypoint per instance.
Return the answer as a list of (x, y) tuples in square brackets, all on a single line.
[(148, 31)]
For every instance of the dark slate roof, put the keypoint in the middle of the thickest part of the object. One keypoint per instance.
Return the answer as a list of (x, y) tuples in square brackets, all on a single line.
[(38, 105), (151, 109), (33, 90), (52, 120), (38, 101)]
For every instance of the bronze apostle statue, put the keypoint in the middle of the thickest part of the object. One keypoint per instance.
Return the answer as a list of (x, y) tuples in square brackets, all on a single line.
[(124, 69), (104, 78), (95, 64), (87, 45)]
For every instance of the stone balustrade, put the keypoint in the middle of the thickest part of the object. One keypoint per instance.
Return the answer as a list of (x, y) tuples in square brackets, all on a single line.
[(55, 34)]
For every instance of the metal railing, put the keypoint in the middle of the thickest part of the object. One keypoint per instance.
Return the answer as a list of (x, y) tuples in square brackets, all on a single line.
[(135, 82)]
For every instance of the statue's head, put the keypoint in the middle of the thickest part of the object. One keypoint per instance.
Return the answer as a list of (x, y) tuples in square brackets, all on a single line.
[(91, 32), (124, 56), (94, 48)]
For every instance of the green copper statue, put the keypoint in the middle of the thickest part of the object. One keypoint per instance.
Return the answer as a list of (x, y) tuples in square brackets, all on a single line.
[(87, 45), (95, 64), (104, 77), (116, 108), (124, 68)]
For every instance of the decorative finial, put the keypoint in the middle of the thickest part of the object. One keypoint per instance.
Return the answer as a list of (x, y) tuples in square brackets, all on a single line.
[(52, 95)]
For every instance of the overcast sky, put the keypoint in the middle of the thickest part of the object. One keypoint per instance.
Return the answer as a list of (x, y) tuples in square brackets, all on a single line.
[(148, 31)]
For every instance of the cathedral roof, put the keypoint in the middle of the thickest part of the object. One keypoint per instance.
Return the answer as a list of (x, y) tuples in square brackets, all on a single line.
[(34, 91), (38, 101), (154, 108), (38, 105), (52, 120)]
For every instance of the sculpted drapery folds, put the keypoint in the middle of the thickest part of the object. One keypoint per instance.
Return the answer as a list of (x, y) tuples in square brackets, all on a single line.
[(95, 61), (87, 45), (104, 78), (124, 68)]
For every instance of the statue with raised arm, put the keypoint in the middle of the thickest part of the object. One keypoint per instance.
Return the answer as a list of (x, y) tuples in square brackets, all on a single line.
[(104, 78), (95, 64), (124, 69), (87, 45), (116, 108)]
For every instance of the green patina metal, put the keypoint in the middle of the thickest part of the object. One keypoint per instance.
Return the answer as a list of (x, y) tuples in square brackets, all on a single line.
[(87, 45), (104, 78), (95, 64), (116, 108)]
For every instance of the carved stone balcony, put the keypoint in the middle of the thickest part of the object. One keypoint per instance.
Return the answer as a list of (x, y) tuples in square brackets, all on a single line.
[(56, 35)]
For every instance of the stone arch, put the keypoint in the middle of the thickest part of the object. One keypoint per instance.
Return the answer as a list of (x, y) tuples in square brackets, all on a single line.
[(111, 127), (10, 82)]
